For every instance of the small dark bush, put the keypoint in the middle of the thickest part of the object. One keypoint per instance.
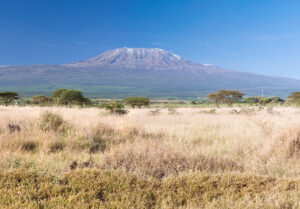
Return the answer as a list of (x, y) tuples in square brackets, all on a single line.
[(57, 146), (29, 146), (13, 128), (99, 144)]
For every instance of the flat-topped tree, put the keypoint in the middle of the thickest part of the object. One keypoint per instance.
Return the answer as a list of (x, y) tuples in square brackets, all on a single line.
[(8, 97), (226, 96), (214, 97)]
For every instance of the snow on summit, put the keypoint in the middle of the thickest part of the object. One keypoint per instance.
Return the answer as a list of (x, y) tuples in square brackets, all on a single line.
[(136, 58)]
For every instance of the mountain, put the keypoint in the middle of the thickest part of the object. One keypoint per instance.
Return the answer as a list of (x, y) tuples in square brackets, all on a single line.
[(141, 59), (139, 71)]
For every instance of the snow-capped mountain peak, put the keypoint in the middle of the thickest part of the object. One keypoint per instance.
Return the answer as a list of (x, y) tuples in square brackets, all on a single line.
[(136, 58)]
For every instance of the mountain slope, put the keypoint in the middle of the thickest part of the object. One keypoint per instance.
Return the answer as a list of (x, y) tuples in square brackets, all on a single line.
[(138, 71)]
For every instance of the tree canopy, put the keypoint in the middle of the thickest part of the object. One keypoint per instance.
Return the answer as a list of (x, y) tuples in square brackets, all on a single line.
[(137, 101), (40, 100), (55, 95), (8, 97), (70, 97), (225, 96)]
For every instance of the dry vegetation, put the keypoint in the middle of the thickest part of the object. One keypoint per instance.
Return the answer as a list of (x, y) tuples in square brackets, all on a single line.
[(184, 158)]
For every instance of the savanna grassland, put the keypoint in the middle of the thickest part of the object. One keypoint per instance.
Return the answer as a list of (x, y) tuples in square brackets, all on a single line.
[(56, 157)]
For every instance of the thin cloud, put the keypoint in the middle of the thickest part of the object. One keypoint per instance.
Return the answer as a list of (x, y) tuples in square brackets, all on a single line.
[(273, 37)]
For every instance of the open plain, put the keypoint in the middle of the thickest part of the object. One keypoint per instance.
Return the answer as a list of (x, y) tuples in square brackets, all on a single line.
[(159, 158)]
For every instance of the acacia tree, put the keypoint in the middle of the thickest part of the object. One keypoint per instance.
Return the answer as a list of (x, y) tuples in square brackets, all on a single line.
[(294, 98), (70, 97), (55, 95), (214, 97), (8, 97), (40, 100), (137, 101), (226, 96)]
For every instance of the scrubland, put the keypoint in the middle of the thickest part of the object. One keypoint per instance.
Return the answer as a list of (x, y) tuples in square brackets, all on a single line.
[(55, 157)]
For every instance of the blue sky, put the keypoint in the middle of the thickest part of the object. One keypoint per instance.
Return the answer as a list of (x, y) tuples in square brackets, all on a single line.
[(259, 36)]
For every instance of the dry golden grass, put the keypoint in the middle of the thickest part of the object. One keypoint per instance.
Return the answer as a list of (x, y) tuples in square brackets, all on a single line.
[(159, 146)]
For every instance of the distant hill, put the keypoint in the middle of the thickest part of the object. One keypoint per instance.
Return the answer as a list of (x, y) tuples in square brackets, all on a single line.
[(139, 71)]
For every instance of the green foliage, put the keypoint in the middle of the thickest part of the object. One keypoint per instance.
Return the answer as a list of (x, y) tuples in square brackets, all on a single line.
[(55, 95), (252, 100), (8, 97), (69, 97), (137, 101), (272, 100), (40, 100), (294, 98), (263, 101), (115, 108), (225, 96)]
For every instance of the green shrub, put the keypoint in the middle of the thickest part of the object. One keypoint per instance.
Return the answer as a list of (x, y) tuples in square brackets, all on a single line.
[(137, 101), (115, 108)]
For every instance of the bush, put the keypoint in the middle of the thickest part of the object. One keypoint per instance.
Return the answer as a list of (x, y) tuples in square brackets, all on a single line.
[(56, 146), (29, 146), (99, 144), (294, 98), (40, 100), (137, 101), (52, 122), (116, 108)]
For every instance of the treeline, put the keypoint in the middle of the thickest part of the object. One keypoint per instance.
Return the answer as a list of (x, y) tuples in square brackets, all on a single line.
[(230, 97), (71, 97)]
